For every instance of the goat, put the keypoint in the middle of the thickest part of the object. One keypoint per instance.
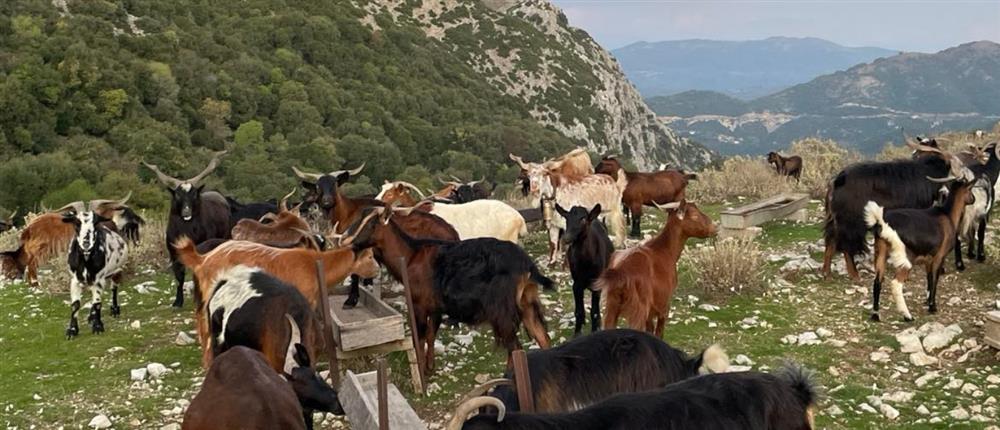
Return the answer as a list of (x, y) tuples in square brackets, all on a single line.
[(295, 266), (473, 281), (976, 216), (7, 224), (323, 189), (893, 185), (96, 258), (480, 218), (588, 250), (47, 235), (784, 400), (286, 227), (241, 391), (906, 236), (464, 192), (253, 211), (248, 307), (644, 189), (573, 163), (592, 368), (194, 214), (399, 192), (640, 282), (786, 166)]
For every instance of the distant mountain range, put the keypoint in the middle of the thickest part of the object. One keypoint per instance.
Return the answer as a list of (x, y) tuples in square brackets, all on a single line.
[(863, 106), (743, 69)]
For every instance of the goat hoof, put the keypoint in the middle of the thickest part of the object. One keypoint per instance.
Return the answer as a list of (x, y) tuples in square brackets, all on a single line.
[(97, 327), (178, 304), (908, 319), (350, 303), (875, 318), (72, 332), (960, 267), (981, 258), (932, 309), (116, 311)]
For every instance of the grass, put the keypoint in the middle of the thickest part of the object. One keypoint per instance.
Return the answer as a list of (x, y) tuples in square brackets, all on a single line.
[(78, 379)]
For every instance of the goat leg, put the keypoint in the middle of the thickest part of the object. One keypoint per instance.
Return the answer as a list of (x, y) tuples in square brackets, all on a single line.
[(932, 281), (96, 325), (307, 416), (74, 328), (981, 255), (595, 311), (959, 264), (178, 269), (354, 294), (831, 247), (115, 309), (852, 269), (579, 313)]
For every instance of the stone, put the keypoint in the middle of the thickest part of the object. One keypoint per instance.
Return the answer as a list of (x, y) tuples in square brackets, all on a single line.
[(889, 411), (953, 384), (171, 426), (790, 339), (898, 397), (100, 422), (909, 343), (136, 325), (927, 377), (833, 371), (941, 337), (875, 401), (734, 368), (836, 343), (993, 379), (922, 410), (921, 359), (743, 360), (969, 388), (808, 338), (183, 339), (867, 408), (708, 307), (156, 370), (822, 332), (138, 374), (878, 357), (834, 411), (959, 413)]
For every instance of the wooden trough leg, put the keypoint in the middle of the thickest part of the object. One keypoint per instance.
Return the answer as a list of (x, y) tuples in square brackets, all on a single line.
[(382, 387), (524, 397), (324, 308), (415, 374), (414, 336)]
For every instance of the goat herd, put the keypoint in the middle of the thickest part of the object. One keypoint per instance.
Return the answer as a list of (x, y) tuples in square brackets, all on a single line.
[(256, 296)]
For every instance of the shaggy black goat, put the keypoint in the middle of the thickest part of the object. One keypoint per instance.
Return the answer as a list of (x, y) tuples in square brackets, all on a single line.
[(254, 210), (195, 214), (588, 250), (784, 400), (592, 368), (893, 185)]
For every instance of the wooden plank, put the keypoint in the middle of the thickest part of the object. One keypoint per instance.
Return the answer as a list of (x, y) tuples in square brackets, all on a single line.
[(525, 399), (382, 387), (763, 211), (359, 397), (331, 344), (413, 325)]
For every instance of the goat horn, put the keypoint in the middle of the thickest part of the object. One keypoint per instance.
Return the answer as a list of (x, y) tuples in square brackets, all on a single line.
[(448, 182), (414, 188), (476, 182), (942, 180), (349, 172), (311, 177), (76, 207), (459, 181), (283, 204), (923, 148), (463, 410), (668, 207), (484, 388), (115, 204), (518, 161), (165, 179), (211, 167)]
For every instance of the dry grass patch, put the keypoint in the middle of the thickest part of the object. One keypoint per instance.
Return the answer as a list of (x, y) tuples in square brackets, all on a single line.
[(727, 266)]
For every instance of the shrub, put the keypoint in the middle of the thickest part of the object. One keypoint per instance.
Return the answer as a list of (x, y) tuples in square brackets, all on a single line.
[(821, 159), (728, 265), (738, 176)]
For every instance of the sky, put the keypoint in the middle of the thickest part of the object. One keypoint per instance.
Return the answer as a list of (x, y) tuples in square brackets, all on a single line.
[(905, 25)]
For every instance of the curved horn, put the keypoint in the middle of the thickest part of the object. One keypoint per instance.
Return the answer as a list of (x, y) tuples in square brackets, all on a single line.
[(484, 388), (518, 161), (414, 188), (456, 179), (463, 410), (115, 204), (77, 207), (668, 207), (165, 179), (310, 177), (923, 148), (476, 182), (448, 182), (349, 172), (211, 166), (942, 180), (283, 204)]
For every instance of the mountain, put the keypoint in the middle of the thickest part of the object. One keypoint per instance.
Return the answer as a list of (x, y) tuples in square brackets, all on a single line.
[(416, 89), (864, 106), (742, 69)]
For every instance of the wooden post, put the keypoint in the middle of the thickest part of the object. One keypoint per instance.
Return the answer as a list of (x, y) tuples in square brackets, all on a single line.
[(421, 358), (324, 308), (382, 386), (521, 375)]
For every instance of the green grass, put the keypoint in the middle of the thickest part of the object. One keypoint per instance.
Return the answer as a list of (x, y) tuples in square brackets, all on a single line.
[(78, 379)]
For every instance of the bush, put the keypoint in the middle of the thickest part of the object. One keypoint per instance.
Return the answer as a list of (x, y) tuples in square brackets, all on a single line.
[(729, 265), (821, 161)]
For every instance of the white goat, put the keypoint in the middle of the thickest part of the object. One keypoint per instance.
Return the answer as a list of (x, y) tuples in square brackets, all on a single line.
[(481, 218)]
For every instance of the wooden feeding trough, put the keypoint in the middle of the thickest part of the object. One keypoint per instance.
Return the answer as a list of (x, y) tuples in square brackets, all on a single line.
[(742, 221), (359, 394), (991, 330)]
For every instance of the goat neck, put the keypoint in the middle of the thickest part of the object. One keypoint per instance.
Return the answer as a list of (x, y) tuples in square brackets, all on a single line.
[(336, 263), (956, 202), (341, 213), (670, 241)]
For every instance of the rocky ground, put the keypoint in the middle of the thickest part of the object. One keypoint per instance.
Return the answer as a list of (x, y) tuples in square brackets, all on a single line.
[(935, 372)]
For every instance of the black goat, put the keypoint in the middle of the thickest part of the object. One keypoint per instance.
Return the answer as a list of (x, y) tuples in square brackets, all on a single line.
[(195, 214), (906, 236), (592, 368), (893, 185), (248, 307), (254, 211), (785, 400), (588, 251), (973, 225), (464, 192), (96, 258)]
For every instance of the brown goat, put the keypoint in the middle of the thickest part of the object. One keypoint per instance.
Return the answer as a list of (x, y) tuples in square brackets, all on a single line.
[(787, 166), (646, 189), (640, 282), (286, 227), (399, 193), (295, 266), (572, 164)]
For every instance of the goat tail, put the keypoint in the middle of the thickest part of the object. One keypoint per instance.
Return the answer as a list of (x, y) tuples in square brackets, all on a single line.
[(617, 219), (712, 360), (622, 297), (540, 279), (875, 220), (187, 253), (803, 384)]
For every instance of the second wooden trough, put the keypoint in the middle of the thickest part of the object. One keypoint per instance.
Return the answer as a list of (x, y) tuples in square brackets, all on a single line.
[(755, 214), (358, 394)]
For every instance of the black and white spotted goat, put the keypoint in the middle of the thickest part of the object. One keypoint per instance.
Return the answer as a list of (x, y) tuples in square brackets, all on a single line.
[(96, 258)]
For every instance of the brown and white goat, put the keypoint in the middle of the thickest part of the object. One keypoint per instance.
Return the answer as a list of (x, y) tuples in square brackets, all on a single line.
[(640, 281), (573, 163), (786, 166), (922, 236), (295, 266), (646, 188), (398, 192)]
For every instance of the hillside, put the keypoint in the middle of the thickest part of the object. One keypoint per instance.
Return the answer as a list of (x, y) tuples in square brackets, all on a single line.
[(863, 107), (91, 87), (743, 69)]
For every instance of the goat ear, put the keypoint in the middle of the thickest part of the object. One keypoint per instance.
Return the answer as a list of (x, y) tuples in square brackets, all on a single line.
[(561, 210), (342, 178), (302, 356), (594, 213)]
